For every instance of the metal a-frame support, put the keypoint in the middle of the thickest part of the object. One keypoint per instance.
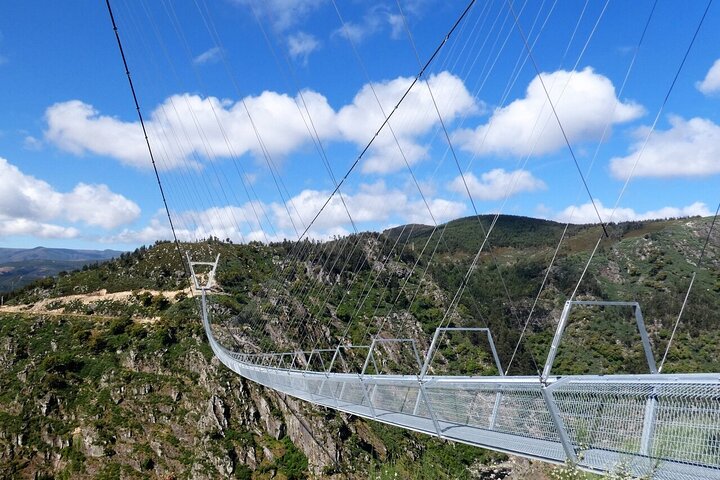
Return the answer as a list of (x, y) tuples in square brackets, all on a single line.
[(371, 356), (436, 337), (651, 405), (210, 280), (564, 317), (426, 366)]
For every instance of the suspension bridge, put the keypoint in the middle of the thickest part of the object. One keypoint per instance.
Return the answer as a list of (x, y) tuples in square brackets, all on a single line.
[(650, 424)]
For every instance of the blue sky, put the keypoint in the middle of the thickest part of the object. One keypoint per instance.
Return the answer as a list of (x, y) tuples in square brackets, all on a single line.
[(251, 103)]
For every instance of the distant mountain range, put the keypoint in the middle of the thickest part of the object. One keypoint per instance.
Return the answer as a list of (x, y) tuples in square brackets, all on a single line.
[(21, 266)]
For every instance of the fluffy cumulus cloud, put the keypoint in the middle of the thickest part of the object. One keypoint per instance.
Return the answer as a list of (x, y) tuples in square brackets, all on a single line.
[(711, 83), (585, 213), (371, 206), (97, 205), (497, 184), (28, 206), (584, 100), (359, 121), (157, 229), (688, 148), (187, 129), (78, 128), (10, 227)]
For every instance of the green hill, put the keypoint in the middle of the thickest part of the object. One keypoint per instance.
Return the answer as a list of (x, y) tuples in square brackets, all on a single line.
[(107, 374)]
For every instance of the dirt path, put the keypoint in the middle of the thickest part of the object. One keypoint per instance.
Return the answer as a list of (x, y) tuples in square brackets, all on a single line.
[(54, 306)]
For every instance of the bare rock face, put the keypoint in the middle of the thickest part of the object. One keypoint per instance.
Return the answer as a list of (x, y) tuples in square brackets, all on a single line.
[(310, 434), (269, 415), (47, 403), (215, 417), (151, 401), (88, 442)]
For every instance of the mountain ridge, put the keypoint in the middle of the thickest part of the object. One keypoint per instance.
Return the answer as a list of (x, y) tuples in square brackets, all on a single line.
[(22, 266), (49, 253)]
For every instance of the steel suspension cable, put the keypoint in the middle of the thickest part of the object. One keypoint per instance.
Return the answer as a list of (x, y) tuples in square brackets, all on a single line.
[(555, 114), (392, 112), (602, 139), (690, 286), (318, 144), (455, 157), (142, 124), (464, 282), (647, 138), (440, 239)]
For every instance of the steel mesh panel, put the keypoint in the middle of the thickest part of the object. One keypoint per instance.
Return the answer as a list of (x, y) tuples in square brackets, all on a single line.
[(524, 412), (688, 429), (680, 423), (394, 398), (603, 417)]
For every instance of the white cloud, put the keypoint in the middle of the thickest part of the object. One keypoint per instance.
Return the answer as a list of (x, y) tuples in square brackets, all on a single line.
[(23, 196), (360, 120), (157, 229), (10, 227), (185, 128), (497, 184), (442, 211), (78, 128), (371, 206), (97, 205), (711, 82), (301, 45), (397, 26), (356, 32), (372, 22), (32, 143), (282, 14), (584, 100), (687, 148), (377, 19), (28, 204), (211, 55), (586, 213)]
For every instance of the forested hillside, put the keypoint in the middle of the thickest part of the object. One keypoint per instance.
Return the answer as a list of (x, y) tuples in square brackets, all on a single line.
[(106, 372)]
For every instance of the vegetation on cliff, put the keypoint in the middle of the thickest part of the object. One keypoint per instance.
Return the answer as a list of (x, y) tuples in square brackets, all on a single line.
[(106, 373)]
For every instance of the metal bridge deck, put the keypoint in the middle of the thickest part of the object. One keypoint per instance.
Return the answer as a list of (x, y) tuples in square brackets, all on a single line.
[(604, 417)]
